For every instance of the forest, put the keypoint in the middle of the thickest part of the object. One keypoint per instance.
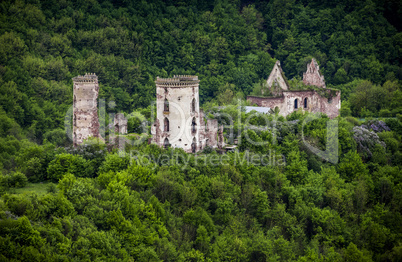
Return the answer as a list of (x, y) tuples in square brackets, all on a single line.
[(98, 203)]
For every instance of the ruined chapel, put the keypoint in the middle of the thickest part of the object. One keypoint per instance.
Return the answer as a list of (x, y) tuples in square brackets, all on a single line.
[(282, 98)]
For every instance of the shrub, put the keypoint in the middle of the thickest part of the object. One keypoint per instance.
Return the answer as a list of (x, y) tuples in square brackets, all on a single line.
[(51, 188), (67, 163), (394, 125), (376, 126), (352, 120), (16, 179), (399, 117), (385, 113)]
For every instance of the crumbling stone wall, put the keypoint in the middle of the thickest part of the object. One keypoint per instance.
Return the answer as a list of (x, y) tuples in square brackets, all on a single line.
[(313, 75), (326, 101), (315, 102), (211, 133), (276, 81), (270, 102), (85, 110), (120, 124)]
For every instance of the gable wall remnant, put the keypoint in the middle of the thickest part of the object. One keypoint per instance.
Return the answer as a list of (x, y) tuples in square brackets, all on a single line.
[(276, 81), (313, 76)]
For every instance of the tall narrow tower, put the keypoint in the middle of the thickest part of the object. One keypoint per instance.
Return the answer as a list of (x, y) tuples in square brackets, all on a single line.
[(178, 117), (85, 110)]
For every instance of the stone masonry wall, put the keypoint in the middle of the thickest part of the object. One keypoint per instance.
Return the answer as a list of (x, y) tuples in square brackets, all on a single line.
[(312, 76), (276, 81), (315, 102), (85, 110), (211, 133), (179, 92)]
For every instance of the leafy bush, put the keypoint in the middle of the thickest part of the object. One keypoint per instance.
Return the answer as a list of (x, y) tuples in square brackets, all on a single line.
[(15, 179), (384, 113), (352, 120), (67, 163)]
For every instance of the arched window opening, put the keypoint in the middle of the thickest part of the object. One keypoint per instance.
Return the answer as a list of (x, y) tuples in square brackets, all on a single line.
[(305, 102), (166, 125), (296, 104), (166, 143), (193, 105), (166, 106), (193, 126), (193, 145)]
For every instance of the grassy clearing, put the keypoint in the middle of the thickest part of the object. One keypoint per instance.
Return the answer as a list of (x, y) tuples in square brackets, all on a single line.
[(30, 188)]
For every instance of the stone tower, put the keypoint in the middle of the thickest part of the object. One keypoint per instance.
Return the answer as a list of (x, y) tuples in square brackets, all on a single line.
[(85, 110), (313, 75), (178, 116)]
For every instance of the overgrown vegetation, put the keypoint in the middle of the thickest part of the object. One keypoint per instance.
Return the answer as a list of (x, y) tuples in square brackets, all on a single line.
[(91, 203)]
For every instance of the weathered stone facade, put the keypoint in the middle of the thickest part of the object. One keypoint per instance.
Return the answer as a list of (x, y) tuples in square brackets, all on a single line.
[(308, 100), (326, 101), (313, 76), (179, 122), (85, 110), (120, 124), (276, 80)]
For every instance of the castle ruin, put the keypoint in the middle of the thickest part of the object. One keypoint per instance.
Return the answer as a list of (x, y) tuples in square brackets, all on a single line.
[(323, 100), (179, 121), (85, 110)]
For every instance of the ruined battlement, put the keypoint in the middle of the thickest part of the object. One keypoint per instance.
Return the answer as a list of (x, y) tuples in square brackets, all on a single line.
[(180, 122), (88, 77), (178, 81)]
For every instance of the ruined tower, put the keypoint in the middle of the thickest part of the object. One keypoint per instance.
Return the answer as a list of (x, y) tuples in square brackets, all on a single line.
[(179, 122), (313, 75), (85, 110), (177, 112)]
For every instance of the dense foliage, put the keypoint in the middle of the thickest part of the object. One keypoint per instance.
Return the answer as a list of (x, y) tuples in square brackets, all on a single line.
[(275, 201), (230, 45), (93, 203)]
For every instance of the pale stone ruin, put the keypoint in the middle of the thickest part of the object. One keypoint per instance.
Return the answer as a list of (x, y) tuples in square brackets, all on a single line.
[(120, 124), (288, 101), (179, 121), (85, 110), (276, 80), (313, 75)]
